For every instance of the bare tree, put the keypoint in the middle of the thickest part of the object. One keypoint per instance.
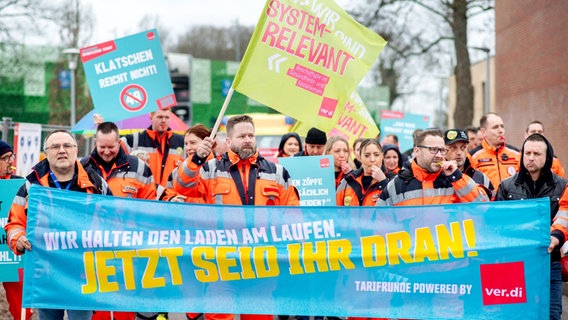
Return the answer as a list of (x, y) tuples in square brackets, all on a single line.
[(418, 31), (75, 22), (217, 43)]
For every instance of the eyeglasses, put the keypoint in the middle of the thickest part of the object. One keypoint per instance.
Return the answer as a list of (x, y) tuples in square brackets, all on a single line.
[(435, 150), (56, 147), (8, 158)]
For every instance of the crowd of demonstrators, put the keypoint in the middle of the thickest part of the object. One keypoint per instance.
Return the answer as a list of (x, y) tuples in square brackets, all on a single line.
[(535, 179), (13, 289), (290, 144), (60, 170), (444, 168)]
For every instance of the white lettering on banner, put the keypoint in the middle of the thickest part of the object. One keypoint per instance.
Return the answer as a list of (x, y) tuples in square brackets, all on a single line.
[(124, 61), (67, 240), (427, 288), (319, 229), (107, 239), (8, 257), (210, 237), (113, 80)]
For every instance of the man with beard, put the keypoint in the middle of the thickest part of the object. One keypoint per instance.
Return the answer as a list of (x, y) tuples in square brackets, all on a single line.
[(536, 180), (457, 143), (245, 176), (494, 157)]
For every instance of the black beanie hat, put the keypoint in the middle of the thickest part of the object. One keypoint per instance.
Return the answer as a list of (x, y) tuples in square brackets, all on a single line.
[(316, 136), (5, 148)]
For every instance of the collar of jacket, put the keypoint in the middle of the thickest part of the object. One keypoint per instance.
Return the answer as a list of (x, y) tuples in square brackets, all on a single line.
[(153, 134), (120, 160), (491, 148), (234, 158), (41, 173), (422, 174)]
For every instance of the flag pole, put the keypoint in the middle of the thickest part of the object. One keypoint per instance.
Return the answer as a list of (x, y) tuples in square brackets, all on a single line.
[(222, 113)]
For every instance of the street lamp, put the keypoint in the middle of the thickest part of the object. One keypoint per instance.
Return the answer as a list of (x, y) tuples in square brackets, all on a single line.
[(72, 56), (487, 60)]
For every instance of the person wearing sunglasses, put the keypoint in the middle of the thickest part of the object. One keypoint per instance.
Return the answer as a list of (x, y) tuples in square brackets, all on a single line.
[(429, 169)]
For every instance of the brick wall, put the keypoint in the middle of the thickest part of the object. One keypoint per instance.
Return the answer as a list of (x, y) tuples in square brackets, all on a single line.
[(531, 69)]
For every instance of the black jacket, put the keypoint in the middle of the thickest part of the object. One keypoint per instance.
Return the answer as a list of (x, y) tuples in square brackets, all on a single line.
[(521, 186)]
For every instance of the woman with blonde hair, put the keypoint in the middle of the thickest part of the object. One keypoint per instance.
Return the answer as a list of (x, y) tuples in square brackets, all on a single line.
[(363, 186), (338, 147)]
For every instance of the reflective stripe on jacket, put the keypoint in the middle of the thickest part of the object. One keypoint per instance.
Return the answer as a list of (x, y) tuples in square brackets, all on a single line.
[(89, 182), (416, 186), (230, 180), (350, 191), (165, 152)]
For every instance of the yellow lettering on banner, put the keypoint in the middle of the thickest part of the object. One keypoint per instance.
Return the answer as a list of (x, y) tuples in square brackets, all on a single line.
[(99, 267), (104, 271), (425, 246), (148, 279), (442, 243), (223, 254), (398, 244), (247, 272), (326, 256), (450, 242), (200, 257), (234, 263), (373, 251), (127, 257), (90, 274)]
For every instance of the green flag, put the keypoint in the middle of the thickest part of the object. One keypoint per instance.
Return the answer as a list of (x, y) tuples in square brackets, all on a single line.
[(305, 59)]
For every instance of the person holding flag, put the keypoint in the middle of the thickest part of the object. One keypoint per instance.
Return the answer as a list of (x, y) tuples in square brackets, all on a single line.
[(247, 179)]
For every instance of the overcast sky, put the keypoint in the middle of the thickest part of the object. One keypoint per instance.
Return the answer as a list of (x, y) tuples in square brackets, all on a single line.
[(119, 18)]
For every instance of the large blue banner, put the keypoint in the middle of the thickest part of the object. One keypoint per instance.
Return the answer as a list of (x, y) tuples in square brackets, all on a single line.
[(468, 261), (9, 262)]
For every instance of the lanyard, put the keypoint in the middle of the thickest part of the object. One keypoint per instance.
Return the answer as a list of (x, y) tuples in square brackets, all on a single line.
[(57, 182)]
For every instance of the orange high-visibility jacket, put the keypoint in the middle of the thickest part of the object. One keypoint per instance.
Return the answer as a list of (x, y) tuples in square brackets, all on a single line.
[(87, 181), (165, 152), (416, 186), (350, 191), (231, 180), (497, 164), (128, 177)]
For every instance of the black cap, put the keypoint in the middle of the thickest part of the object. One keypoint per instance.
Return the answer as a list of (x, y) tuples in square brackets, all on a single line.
[(5, 148), (316, 136), (455, 135)]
